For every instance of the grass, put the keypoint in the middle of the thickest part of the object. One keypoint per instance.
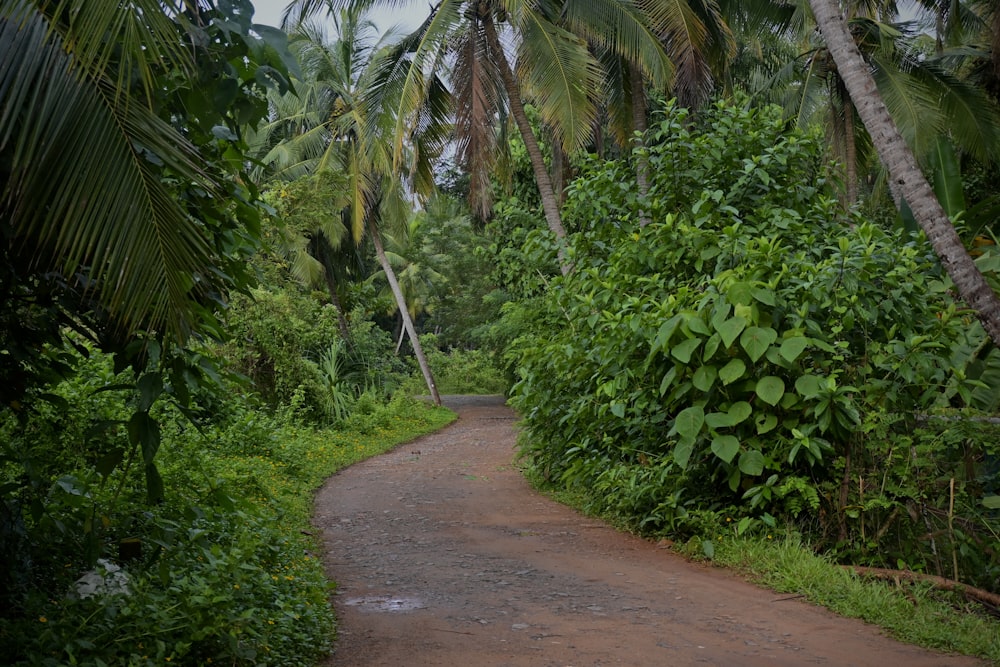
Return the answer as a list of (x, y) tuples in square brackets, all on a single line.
[(914, 613)]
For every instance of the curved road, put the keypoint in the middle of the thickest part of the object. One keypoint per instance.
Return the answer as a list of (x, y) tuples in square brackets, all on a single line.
[(445, 556)]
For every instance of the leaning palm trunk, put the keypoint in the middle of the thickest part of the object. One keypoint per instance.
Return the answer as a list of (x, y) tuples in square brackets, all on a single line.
[(907, 180), (550, 205), (390, 275)]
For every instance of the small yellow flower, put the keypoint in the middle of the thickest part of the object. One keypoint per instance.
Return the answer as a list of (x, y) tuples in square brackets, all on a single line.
[(42, 619), (270, 622), (236, 586)]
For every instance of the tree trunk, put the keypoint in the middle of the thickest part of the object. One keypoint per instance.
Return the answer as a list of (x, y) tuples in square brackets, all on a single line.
[(550, 204), (904, 173), (390, 275), (331, 286), (639, 125), (320, 249)]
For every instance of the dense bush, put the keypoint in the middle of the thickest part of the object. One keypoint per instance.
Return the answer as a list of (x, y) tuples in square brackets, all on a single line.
[(219, 571), (753, 350), (288, 344), (458, 371)]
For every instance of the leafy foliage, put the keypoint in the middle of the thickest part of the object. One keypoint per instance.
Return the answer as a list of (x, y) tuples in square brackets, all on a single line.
[(221, 571), (735, 352)]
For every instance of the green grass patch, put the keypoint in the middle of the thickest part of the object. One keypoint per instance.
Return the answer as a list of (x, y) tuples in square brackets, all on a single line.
[(913, 612)]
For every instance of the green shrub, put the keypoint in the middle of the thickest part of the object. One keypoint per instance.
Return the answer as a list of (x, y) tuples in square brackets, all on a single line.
[(749, 351), (220, 571)]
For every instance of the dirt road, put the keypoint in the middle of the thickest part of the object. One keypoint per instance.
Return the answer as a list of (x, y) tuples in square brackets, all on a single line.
[(445, 556)]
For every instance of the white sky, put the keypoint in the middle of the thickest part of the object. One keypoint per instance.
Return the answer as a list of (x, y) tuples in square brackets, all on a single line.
[(268, 12)]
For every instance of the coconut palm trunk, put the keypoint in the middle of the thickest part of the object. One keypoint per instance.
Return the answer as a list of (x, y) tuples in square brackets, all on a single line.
[(550, 205), (390, 276), (904, 173)]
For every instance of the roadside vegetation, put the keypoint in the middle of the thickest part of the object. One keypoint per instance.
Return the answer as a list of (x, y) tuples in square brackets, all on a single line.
[(743, 297)]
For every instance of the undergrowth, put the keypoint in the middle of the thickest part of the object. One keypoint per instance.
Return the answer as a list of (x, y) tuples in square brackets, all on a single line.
[(224, 570)]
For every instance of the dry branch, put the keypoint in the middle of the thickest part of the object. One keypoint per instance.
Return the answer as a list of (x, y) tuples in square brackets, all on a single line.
[(970, 592)]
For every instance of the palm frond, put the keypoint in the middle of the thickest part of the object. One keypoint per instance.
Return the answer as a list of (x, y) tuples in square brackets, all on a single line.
[(560, 75), (973, 119), (146, 39), (686, 38), (621, 27), (910, 103), (84, 194), (478, 92)]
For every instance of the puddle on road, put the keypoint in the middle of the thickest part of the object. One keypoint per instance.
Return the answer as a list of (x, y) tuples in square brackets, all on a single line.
[(386, 603)]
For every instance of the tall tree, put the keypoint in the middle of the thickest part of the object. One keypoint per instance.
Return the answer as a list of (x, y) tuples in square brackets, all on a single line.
[(925, 98), (908, 181), (346, 130), (506, 53), (413, 261)]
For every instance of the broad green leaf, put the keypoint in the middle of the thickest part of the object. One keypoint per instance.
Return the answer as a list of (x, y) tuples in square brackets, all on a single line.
[(732, 371), (668, 379), (711, 346), (756, 340), (751, 462), (809, 385), (731, 329), (764, 295), (154, 484), (667, 330), (947, 177), (721, 314), (734, 479), (696, 325), (726, 447), (683, 351), (719, 420), (741, 293), (704, 378), (144, 431), (618, 409), (992, 502), (770, 389), (766, 424), (107, 463), (791, 348), (708, 549), (149, 386), (739, 411), (682, 453), (689, 422)]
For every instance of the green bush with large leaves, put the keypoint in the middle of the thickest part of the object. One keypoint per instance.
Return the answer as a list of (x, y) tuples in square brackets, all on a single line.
[(742, 350)]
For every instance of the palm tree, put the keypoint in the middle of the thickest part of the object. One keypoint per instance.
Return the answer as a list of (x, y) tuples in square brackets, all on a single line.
[(926, 100), (314, 238), (908, 181), (414, 264), (554, 68), (341, 127)]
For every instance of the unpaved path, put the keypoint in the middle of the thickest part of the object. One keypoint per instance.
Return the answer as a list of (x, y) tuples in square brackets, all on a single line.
[(445, 556)]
